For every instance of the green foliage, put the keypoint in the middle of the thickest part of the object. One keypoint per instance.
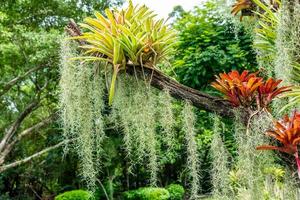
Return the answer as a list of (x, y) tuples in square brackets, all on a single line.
[(265, 36), (176, 191), (30, 32), (49, 13), (208, 45), (74, 195), (148, 193)]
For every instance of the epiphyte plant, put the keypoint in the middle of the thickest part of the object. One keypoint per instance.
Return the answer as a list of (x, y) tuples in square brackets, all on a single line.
[(127, 36), (248, 89), (286, 132)]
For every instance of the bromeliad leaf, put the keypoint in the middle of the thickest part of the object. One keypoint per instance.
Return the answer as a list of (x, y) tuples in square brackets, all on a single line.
[(126, 36), (247, 89), (287, 133)]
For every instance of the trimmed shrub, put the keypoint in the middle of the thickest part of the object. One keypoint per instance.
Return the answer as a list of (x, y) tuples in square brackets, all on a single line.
[(147, 193), (176, 191), (74, 195)]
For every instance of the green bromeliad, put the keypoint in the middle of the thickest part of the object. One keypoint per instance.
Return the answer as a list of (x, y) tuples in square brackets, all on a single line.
[(129, 36)]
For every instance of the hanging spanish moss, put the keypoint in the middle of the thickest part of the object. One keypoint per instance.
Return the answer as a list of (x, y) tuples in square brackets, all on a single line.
[(220, 163), (123, 115), (81, 104), (251, 163), (135, 104), (283, 61), (192, 153), (167, 120), (68, 88), (150, 126)]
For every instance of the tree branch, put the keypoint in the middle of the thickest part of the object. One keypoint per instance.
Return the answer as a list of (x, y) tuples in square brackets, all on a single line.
[(14, 81), (15, 126), (177, 90), (8, 146), (25, 160)]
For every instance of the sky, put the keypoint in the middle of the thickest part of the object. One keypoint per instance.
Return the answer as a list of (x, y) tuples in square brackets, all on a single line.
[(163, 7)]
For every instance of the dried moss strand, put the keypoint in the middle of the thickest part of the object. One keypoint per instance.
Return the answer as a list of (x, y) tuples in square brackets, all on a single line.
[(220, 163), (192, 153), (167, 119)]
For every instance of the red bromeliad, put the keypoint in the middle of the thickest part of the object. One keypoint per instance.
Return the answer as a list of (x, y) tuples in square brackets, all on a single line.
[(287, 132), (268, 91), (241, 5), (238, 88), (245, 89)]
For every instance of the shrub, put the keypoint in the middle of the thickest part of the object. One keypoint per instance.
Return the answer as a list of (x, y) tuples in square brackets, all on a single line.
[(74, 195), (147, 193), (176, 191)]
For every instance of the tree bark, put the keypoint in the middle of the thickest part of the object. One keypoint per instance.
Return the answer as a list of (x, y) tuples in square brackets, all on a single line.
[(9, 145), (15, 126), (161, 81), (14, 81), (38, 154)]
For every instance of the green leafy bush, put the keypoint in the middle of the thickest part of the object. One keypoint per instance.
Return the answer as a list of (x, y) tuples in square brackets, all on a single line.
[(176, 191), (74, 195), (208, 45), (147, 193)]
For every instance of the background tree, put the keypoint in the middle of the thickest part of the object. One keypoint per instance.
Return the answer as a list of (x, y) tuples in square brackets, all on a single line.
[(210, 43), (29, 42), (30, 32)]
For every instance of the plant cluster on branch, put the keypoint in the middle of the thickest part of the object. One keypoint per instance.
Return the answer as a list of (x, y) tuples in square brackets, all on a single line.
[(249, 7), (287, 132), (130, 36), (248, 90)]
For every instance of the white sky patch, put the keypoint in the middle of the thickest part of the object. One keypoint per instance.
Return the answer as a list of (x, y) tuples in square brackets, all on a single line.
[(163, 7)]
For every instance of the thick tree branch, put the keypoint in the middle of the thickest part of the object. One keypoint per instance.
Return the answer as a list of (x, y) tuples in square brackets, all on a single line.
[(9, 145), (14, 81), (25, 160), (15, 126), (177, 90)]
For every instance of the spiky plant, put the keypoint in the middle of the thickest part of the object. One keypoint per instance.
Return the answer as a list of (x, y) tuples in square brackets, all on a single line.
[(287, 132), (238, 89), (266, 33), (242, 6), (129, 36), (247, 90)]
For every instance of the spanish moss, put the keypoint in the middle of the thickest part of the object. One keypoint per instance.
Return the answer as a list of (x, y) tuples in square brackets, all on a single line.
[(188, 128)]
